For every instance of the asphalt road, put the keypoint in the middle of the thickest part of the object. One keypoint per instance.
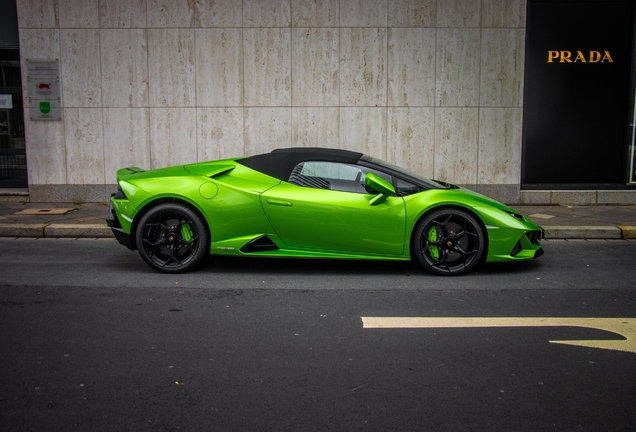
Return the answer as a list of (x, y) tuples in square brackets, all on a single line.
[(92, 339)]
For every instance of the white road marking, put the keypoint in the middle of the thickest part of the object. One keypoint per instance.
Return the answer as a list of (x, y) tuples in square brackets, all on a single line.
[(625, 327)]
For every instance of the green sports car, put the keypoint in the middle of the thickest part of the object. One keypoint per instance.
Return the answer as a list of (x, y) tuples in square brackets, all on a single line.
[(312, 203)]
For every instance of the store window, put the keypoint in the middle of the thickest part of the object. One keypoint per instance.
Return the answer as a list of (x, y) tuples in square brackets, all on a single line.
[(577, 98), (13, 172), (632, 148)]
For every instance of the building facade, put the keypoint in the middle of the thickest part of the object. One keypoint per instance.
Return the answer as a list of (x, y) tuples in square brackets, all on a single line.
[(436, 86)]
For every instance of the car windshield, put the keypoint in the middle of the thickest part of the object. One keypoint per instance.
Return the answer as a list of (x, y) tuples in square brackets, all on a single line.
[(407, 173)]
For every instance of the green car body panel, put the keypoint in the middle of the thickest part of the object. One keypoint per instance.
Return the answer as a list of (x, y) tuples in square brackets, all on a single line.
[(240, 205)]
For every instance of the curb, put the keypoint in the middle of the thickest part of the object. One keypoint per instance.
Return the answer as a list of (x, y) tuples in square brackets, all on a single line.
[(83, 230), (589, 232), (104, 231), (22, 230), (56, 230), (629, 232)]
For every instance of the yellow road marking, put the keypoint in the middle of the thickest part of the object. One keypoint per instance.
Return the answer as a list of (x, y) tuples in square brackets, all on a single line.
[(625, 327)]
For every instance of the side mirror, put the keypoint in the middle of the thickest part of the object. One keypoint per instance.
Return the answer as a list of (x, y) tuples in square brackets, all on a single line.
[(380, 185)]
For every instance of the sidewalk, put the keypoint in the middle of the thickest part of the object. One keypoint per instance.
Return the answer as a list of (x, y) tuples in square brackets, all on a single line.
[(76, 220)]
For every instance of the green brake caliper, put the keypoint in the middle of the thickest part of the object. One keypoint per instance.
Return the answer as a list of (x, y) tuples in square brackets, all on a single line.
[(186, 232), (433, 250)]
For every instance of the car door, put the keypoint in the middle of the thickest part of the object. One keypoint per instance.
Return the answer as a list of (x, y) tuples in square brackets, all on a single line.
[(325, 206)]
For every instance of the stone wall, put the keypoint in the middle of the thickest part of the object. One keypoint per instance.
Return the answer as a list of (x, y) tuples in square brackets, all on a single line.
[(435, 86)]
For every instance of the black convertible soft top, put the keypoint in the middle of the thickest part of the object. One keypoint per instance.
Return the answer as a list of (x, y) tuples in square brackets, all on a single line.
[(280, 162)]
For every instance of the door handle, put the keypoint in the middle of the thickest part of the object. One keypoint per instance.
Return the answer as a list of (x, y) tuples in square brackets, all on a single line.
[(279, 202)]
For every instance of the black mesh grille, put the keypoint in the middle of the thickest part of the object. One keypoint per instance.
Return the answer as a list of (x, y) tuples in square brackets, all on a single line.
[(534, 237)]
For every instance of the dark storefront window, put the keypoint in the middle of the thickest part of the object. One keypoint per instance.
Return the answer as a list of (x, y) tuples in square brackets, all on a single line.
[(632, 147), (13, 171), (578, 97)]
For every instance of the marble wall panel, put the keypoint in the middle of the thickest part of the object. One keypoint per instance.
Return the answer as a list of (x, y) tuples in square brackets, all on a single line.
[(411, 67), (456, 145), (502, 67), (83, 14), (458, 13), (122, 13), (503, 13), (80, 68), (315, 13), (412, 13), (411, 139), (364, 130), (172, 136), (363, 13), (124, 54), (363, 66), (171, 67), (267, 63), (126, 140), (34, 44), (39, 43), (624, 197), (170, 13), (457, 67), (220, 133), (38, 13), (266, 13), (267, 129), (218, 13), (500, 145), (316, 127), (315, 67), (84, 136), (219, 67), (535, 197), (46, 151)]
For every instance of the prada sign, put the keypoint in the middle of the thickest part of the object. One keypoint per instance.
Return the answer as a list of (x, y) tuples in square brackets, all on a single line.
[(579, 57), (577, 94)]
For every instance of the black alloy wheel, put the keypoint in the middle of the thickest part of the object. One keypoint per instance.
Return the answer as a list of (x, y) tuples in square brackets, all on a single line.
[(172, 238), (449, 242)]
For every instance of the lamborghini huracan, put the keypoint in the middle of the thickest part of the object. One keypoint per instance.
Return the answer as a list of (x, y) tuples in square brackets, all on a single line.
[(312, 203)]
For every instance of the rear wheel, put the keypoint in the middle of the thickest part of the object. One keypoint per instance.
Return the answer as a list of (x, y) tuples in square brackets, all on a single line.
[(172, 238), (449, 242)]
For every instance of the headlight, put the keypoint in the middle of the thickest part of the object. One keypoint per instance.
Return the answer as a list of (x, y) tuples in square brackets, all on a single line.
[(517, 216)]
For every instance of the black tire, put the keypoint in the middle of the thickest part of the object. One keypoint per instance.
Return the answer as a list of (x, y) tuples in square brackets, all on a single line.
[(448, 242), (172, 238)]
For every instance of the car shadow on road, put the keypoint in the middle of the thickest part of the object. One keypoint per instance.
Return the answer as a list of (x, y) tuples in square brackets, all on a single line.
[(308, 266), (517, 267), (288, 266)]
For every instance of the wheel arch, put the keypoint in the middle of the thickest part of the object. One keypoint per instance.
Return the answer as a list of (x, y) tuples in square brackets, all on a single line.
[(468, 210), (164, 200)]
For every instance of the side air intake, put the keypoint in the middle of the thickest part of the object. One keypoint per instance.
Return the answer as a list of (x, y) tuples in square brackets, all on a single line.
[(259, 244)]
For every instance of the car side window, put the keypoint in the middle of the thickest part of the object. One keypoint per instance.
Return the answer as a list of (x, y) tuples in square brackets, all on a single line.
[(404, 188), (333, 176)]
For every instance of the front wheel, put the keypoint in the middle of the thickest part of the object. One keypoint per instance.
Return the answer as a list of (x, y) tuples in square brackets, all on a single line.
[(449, 242), (172, 238)]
